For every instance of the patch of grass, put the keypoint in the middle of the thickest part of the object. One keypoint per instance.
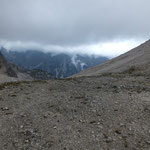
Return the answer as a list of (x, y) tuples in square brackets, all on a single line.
[(131, 70), (92, 122), (12, 95), (39, 81), (117, 131), (79, 97), (99, 87), (4, 85), (17, 83), (68, 79), (124, 139), (106, 74)]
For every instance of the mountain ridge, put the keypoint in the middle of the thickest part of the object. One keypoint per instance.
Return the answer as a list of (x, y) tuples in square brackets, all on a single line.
[(61, 65), (11, 70)]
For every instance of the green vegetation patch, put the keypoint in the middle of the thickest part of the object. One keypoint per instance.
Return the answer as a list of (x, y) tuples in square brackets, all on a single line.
[(17, 83)]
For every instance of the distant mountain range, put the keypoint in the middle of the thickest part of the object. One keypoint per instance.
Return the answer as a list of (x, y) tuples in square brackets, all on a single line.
[(59, 65), (11, 70)]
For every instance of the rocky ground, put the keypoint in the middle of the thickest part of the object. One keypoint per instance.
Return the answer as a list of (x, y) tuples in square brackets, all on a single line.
[(107, 112), (4, 78)]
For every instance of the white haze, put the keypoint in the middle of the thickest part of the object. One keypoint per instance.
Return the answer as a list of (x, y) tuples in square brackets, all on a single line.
[(108, 49)]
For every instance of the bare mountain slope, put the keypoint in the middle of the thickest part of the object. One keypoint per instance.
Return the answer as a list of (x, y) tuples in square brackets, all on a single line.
[(138, 59), (5, 67), (11, 72)]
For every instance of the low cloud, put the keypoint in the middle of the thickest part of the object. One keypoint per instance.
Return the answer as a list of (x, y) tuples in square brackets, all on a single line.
[(109, 49)]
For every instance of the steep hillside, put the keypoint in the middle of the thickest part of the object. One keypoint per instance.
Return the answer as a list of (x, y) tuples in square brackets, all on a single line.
[(60, 65), (136, 60), (6, 68)]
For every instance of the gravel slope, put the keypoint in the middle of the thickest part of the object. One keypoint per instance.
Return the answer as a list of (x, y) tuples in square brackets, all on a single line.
[(109, 112)]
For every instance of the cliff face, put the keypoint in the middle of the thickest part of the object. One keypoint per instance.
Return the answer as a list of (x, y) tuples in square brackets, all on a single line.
[(11, 70), (6, 68)]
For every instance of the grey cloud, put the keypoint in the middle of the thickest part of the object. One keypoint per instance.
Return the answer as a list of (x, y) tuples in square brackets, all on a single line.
[(73, 22), (109, 49)]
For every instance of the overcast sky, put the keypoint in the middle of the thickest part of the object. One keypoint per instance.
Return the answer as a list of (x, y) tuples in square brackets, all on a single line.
[(106, 27)]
